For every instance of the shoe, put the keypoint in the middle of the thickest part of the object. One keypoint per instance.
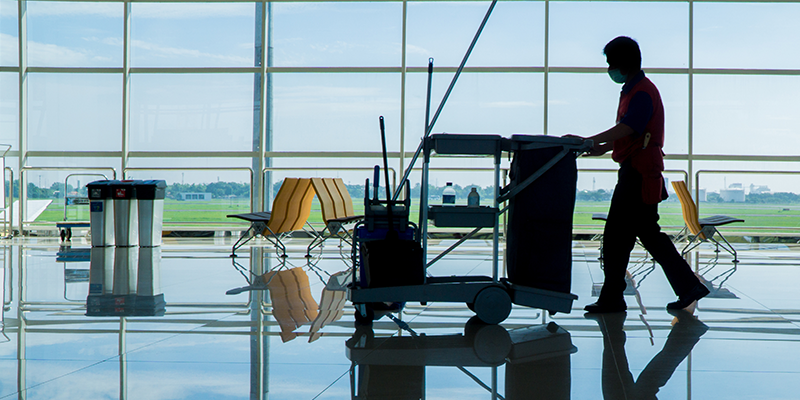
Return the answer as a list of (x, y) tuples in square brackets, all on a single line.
[(697, 293), (599, 307), (687, 324)]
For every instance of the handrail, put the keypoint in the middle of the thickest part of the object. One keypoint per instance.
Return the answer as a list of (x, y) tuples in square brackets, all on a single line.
[(741, 172), (8, 219), (248, 169), (22, 182), (269, 169), (66, 180)]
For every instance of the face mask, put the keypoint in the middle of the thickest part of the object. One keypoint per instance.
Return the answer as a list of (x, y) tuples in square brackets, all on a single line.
[(617, 76)]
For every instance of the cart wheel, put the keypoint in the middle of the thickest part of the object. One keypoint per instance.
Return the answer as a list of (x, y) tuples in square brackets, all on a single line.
[(491, 343), (364, 314), (471, 306), (492, 305)]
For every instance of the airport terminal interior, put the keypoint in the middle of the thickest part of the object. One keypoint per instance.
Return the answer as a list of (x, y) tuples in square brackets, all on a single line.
[(227, 102)]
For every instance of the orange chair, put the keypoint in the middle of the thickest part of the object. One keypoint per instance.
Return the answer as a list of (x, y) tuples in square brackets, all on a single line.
[(702, 229), (337, 211), (292, 303), (290, 211)]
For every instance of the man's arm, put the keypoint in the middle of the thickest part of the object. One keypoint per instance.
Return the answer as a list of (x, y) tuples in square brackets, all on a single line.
[(604, 141)]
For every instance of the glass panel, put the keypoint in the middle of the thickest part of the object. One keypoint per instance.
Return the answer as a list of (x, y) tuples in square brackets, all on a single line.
[(746, 35), (580, 30), (714, 178), (335, 112), (594, 97), (74, 34), (9, 35), (745, 115), (192, 34), (191, 112), (9, 109), (480, 103), (74, 112), (53, 185), (336, 34), (582, 104), (199, 195), (513, 36)]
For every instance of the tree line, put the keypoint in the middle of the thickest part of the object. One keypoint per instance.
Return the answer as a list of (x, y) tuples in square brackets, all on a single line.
[(242, 190)]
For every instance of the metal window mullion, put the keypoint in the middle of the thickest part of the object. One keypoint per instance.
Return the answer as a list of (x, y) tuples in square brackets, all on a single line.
[(262, 183), (690, 75), (22, 30), (126, 86), (546, 110), (403, 88)]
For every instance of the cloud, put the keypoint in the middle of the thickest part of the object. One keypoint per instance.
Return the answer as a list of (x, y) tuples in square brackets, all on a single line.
[(191, 10), (411, 49), (507, 104), (38, 9), (169, 52), (51, 54)]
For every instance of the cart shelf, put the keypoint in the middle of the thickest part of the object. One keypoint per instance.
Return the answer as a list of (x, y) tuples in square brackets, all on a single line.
[(463, 216)]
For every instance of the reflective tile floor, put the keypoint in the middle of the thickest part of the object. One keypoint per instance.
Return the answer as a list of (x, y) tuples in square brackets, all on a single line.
[(159, 325)]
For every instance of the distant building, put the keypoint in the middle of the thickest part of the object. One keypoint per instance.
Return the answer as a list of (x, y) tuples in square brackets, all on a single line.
[(702, 196), (195, 196), (734, 193), (759, 189)]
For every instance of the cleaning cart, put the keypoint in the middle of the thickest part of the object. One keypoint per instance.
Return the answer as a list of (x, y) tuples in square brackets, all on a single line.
[(539, 200)]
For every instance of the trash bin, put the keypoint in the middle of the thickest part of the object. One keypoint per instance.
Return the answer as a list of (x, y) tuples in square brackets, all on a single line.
[(101, 280), (126, 216), (539, 241), (150, 196), (126, 267), (101, 270), (149, 298), (101, 216)]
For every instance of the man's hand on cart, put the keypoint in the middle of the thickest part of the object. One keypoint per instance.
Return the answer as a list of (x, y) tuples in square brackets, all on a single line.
[(598, 149)]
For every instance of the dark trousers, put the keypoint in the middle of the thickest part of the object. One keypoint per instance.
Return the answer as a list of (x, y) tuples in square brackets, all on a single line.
[(628, 218)]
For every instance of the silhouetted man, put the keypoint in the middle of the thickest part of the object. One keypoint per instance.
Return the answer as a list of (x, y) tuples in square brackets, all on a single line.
[(636, 141)]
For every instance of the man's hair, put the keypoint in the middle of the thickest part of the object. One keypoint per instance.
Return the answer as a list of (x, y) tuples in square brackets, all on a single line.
[(623, 52)]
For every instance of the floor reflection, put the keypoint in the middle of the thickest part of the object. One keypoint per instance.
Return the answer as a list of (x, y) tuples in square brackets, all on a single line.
[(286, 331), (618, 381), (536, 359)]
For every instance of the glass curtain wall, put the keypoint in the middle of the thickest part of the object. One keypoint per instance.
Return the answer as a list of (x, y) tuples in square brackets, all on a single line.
[(186, 92)]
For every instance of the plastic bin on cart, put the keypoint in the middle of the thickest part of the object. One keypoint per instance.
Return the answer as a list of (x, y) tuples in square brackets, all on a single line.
[(539, 231), (101, 208), (126, 213), (150, 198)]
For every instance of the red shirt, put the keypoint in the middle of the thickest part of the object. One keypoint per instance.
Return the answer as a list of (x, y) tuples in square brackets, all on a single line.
[(644, 154)]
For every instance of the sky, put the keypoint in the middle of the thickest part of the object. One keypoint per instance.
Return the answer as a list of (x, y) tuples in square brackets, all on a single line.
[(733, 114)]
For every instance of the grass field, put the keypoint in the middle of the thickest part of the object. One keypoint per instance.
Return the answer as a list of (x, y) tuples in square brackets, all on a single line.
[(779, 218)]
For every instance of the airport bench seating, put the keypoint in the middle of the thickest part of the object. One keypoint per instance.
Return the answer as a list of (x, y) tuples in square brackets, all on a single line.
[(337, 211), (290, 211), (702, 229)]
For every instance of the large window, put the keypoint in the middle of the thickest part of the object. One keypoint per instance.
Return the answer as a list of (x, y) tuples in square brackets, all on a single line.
[(294, 85)]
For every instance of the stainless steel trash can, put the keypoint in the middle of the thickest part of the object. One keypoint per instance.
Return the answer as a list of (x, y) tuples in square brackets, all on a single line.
[(126, 267), (149, 298), (150, 198), (101, 270), (101, 279), (126, 215), (101, 217)]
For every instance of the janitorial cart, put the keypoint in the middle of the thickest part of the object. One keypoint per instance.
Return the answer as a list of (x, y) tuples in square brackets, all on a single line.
[(390, 252)]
